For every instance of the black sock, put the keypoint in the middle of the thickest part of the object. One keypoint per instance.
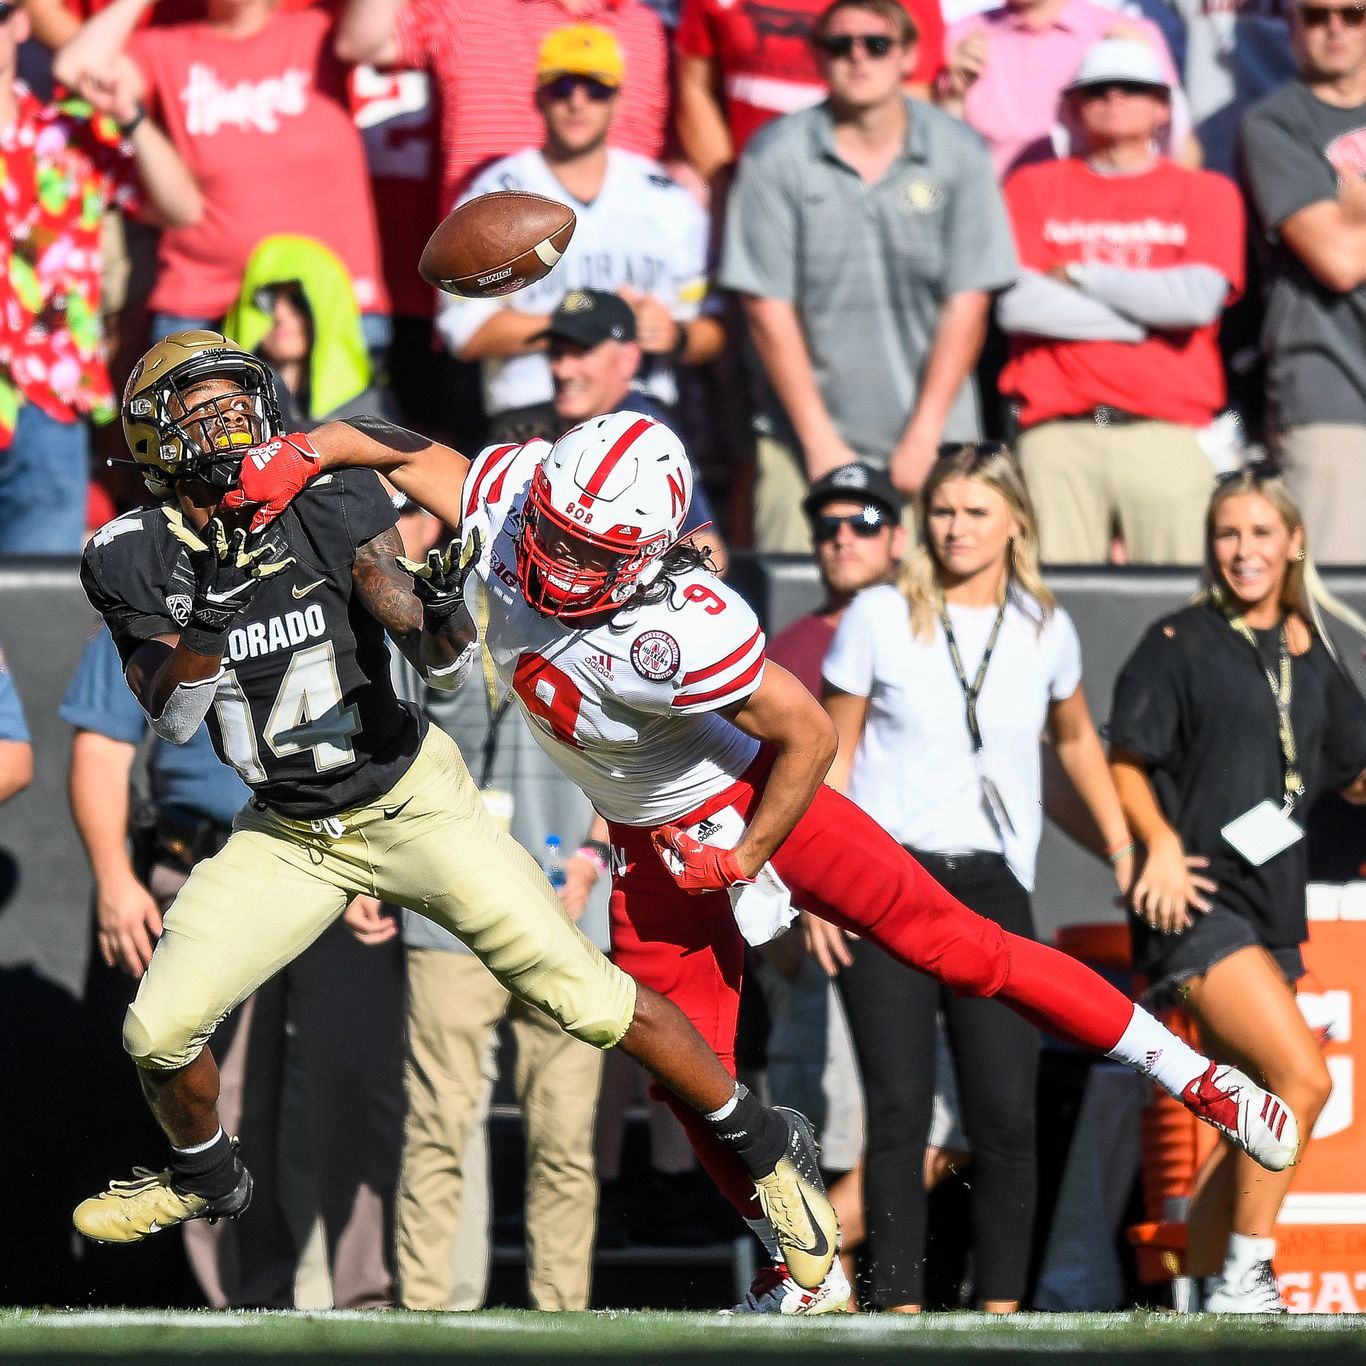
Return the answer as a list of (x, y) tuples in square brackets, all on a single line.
[(212, 1172), (753, 1132)]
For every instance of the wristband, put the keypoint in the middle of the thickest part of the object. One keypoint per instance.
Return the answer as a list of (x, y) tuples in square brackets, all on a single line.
[(596, 852), (126, 130), (680, 342), (1123, 852), (204, 639)]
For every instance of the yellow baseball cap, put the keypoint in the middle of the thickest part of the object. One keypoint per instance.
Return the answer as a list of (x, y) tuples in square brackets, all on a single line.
[(580, 50)]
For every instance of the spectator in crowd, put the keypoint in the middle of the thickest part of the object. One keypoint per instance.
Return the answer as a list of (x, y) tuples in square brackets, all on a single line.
[(939, 687), (482, 55), (1215, 766), (594, 356), (255, 101), (742, 64), (866, 236), (297, 310), (349, 1039), (1008, 66), (1304, 156), (1114, 363), (454, 1006), (1234, 54), (61, 166), (638, 234), (16, 749)]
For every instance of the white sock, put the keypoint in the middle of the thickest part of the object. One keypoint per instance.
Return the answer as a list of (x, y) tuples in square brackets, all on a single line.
[(1244, 1253), (202, 1147), (1153, 1050), (725, 1112), (763, 1231)]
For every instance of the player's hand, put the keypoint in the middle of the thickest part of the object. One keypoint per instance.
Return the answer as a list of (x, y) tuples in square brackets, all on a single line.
[(127, 924), (272, 475), (827, 944), (368, 920), (695, 866), (580, 877), (966, 63), (439, 580), (228, 570), (1171, 885)]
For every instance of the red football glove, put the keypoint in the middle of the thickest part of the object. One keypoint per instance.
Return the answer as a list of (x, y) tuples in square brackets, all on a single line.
[(271, 475), (705, 867)]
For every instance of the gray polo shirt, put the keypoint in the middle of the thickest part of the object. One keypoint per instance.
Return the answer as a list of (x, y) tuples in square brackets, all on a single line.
[(1295, 150), (868, 266)]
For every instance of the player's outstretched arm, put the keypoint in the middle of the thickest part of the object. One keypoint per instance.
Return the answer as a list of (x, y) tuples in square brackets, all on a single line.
[(782, 713), (436, 640), (431, 474)]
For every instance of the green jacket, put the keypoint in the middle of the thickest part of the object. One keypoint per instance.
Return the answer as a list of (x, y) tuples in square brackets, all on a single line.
[(339, 366)]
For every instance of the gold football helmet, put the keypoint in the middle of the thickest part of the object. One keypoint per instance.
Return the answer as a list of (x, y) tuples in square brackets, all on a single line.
[(171, 439)]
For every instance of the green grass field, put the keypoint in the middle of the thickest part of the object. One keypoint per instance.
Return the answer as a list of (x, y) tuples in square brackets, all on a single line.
[(605, 1337)]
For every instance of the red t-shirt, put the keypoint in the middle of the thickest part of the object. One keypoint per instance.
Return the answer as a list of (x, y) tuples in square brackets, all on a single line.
[(482, 57), (767, 63), (264, 125), (1062, 212), (801, 649)]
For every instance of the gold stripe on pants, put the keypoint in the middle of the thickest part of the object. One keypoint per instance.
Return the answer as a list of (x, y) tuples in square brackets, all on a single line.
[(277, 885)]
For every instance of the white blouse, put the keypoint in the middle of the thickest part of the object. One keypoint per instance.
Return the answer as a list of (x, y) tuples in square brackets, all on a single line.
[(914, 770)]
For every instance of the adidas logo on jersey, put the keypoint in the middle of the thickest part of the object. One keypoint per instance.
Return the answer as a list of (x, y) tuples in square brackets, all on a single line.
[(276, 633), (601, 664)]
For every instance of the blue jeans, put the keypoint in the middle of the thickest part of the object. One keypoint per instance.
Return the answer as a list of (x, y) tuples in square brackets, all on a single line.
[(44, 475)]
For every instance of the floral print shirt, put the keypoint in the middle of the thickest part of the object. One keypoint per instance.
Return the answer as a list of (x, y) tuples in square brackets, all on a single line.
[(60, 168)]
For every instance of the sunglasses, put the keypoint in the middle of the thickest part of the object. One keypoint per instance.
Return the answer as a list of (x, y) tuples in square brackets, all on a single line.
[(1105, 89), (1320, 16), (562, 87), (865, 524), (843, 44), (1259, 472)]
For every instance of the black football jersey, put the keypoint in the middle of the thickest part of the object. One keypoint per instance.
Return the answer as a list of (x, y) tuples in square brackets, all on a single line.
[(305, 710)]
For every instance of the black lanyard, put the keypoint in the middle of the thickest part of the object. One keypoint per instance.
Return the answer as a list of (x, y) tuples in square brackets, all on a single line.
[(971, 692), (1279, 683)]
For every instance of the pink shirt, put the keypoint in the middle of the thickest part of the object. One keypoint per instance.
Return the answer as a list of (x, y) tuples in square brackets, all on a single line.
[(264, 126), (1013, 104), (482, 56)]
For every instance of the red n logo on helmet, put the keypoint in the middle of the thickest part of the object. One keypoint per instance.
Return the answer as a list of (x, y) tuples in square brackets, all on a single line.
[(678, 496)]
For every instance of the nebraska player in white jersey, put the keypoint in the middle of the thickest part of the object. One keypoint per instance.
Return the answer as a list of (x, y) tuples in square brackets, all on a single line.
[(645, 679)]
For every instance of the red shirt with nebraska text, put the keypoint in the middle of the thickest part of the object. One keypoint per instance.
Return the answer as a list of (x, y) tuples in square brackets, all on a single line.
[(264, 125), (1064, 212), (765, 56)]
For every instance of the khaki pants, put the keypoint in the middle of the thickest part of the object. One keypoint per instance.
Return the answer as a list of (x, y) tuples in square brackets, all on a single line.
[(427, 844), (780, 525), (454, 1006), (1325, 468), (1149, 480)]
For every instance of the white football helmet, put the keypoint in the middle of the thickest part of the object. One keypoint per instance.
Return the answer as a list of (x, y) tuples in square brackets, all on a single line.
[(604, 505)]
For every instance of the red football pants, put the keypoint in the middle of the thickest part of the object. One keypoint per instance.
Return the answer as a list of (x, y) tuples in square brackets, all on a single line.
[(842, 866)]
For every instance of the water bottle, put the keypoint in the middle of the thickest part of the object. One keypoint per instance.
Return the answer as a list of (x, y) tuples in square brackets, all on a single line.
[(553, 862)]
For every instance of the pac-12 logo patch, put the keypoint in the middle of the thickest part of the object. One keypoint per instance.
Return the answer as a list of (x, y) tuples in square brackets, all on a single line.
[(655, 655), (178, 605)]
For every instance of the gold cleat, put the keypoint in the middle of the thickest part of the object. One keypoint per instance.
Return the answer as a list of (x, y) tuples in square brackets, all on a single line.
[(794, 1200), (129, 1211)]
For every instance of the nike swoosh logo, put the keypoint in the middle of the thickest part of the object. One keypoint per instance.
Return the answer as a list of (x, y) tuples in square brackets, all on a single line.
[(821, 1246), (306, 589), (391, 811)]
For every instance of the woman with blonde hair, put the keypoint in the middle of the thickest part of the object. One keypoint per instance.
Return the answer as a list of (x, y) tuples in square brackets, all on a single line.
[(940, 688), (1229, 718)]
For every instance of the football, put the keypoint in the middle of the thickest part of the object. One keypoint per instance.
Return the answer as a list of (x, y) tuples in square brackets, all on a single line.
[(496, 244)]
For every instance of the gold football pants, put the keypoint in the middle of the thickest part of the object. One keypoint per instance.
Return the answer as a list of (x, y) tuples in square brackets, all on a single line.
[(427, 844)]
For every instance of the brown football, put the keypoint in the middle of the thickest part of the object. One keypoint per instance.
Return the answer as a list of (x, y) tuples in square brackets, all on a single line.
[(496, 244)]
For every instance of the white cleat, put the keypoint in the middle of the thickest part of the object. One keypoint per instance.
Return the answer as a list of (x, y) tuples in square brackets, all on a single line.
[(1256, 1292), (775, 1292), (1257, 1120)]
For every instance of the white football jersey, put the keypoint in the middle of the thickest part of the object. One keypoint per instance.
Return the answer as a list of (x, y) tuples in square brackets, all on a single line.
[(642, 230), (626, 709)]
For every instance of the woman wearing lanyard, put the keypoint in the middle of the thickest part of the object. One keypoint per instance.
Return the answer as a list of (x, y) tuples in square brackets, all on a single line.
[(1229, 718), (940, 688)]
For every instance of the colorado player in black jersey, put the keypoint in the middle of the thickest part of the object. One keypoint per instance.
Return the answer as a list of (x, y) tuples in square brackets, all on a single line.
[(277, 640)]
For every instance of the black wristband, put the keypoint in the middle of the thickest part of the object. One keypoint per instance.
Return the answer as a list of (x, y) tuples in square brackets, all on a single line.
[(126, 130), (204, 640), (680, 342)]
